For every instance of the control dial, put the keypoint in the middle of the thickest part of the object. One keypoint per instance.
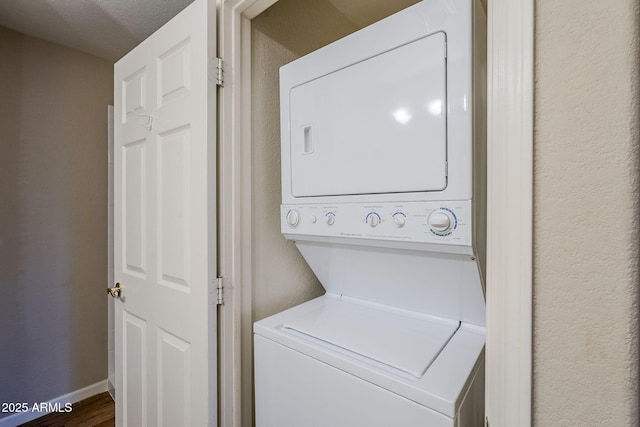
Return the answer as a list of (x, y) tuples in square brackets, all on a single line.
[(293, 218), (331, 218), (399, 219), (441, 221), (373, 219)]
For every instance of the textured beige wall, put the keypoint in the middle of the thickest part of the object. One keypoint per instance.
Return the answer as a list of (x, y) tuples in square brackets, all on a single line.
[(53, 218), (586, 213), (284, 32)]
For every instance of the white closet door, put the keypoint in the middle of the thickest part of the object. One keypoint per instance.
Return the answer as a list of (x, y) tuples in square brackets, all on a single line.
[(165, 225)]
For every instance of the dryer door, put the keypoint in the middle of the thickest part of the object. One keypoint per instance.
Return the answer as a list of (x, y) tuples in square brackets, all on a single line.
[(377, 126)]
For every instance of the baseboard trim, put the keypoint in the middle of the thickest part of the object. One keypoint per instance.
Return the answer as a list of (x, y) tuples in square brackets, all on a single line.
[(73, 397), (111, 389)]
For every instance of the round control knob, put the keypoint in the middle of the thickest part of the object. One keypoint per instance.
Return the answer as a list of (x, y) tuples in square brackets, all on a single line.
[(313, 219), (331, 219), (399, 219), (293, 218), (373, 219), (440, 221)]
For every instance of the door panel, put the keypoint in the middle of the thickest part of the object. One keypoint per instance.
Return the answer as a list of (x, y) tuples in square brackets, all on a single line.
[(133, 250), (173, 69), (174, 229), (165, 242), (133, 94), (174, 373), (134, 369)]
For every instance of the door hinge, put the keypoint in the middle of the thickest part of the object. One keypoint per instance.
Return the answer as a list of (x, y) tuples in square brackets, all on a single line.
[(445, 50), (219, 287), (486, 422), (219, 80)]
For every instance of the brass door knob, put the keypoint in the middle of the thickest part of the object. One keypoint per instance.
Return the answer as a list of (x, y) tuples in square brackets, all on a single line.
[(115, 291)]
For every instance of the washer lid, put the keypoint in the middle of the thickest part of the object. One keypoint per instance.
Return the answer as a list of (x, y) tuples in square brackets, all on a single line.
[(401, 340)]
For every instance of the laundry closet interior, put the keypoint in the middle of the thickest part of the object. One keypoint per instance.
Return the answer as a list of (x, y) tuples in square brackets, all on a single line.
[(280, 277)]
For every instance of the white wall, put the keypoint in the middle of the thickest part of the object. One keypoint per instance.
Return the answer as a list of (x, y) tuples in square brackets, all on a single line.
[(586, 213)]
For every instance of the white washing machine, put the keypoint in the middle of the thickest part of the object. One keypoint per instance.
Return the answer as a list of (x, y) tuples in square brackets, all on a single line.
[(383, 182)]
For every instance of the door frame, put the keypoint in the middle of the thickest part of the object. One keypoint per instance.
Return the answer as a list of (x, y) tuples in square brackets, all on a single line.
[(234, 189), (509, 199), (510, 85)]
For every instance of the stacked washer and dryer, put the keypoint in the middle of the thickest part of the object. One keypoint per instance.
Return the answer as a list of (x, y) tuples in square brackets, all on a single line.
[(383, 193)]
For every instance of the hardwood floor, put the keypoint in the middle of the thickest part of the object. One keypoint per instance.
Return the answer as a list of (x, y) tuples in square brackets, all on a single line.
[(95, 411)]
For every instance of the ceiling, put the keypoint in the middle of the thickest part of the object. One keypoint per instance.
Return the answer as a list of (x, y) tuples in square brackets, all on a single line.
[(110, 28), (104, 28)]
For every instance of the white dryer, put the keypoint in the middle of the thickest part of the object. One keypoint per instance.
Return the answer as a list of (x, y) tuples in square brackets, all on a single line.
[(383, 178)]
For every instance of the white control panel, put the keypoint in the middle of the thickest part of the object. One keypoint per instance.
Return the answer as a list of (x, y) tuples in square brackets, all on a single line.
[(421, 222)]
